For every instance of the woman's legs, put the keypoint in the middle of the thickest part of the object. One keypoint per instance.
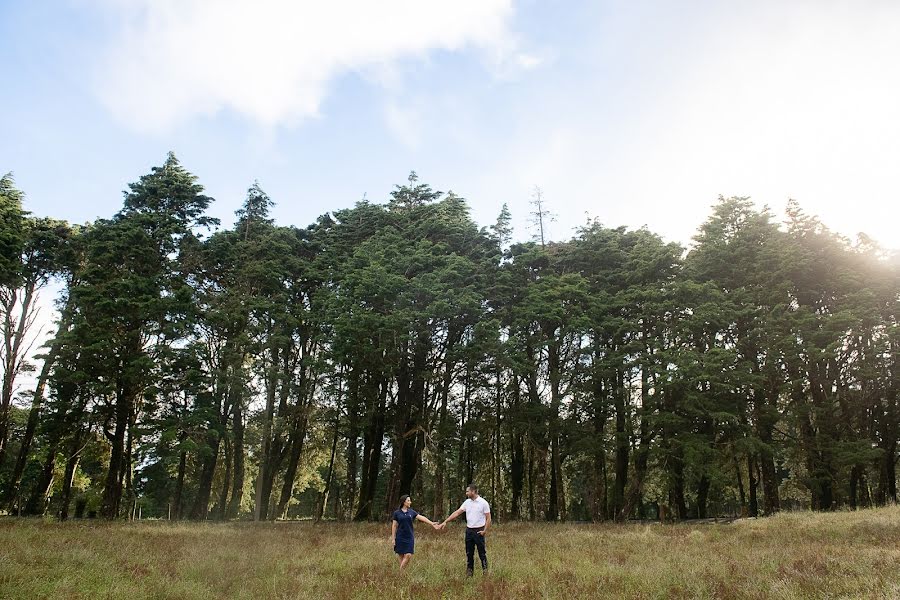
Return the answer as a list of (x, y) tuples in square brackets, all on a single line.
[(404, 560)]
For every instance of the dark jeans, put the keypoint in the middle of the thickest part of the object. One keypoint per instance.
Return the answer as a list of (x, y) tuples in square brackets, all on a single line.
[(475, 540)]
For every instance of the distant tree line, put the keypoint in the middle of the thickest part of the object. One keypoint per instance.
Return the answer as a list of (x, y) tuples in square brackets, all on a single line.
[(265, 371)]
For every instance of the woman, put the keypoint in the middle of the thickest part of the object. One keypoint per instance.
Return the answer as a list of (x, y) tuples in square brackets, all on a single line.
[(402, 530)]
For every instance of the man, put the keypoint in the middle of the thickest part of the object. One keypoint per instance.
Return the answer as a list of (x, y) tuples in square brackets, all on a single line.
[(478, 521)]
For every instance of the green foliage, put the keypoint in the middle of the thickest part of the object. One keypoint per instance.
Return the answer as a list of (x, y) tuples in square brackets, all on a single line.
[(271, 371), (12, 225)]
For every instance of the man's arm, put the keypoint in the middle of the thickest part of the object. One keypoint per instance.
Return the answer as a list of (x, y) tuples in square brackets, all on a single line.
[(487, 523), (455, 514)]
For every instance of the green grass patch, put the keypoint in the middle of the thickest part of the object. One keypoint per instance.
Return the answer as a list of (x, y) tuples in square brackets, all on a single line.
[(791, 555)]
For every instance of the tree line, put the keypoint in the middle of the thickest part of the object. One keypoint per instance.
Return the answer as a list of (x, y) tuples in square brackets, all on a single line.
[(265, 371)]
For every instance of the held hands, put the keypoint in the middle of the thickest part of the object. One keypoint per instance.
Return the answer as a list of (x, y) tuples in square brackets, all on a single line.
[(438, 526)]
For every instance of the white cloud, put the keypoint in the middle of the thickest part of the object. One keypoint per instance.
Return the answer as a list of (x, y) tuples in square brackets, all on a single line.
[(405, 122), (273, 60), (774, 100), (528, 61)]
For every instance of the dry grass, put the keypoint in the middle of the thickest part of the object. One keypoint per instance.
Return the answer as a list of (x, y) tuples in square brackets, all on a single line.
[(801, 555)]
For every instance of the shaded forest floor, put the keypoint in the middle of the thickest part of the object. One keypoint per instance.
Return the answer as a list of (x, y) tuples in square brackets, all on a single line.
[(797, 555)]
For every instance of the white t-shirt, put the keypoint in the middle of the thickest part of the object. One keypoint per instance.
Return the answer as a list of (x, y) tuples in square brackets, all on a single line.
[(475, 511)]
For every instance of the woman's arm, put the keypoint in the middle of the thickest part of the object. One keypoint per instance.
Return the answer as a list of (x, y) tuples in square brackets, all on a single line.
[(393, 531), (425, 519)]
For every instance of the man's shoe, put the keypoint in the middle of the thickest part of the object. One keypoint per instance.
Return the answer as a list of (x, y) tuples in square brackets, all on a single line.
[(469, 573), (484, 572)]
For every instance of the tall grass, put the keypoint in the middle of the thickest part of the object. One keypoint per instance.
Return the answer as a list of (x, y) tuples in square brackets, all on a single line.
[(791, 555)]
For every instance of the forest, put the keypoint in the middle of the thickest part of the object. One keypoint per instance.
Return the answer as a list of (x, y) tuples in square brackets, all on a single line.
[(258, 371)]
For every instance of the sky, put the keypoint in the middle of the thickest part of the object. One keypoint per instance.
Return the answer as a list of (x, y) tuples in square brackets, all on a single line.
[(634, 113)]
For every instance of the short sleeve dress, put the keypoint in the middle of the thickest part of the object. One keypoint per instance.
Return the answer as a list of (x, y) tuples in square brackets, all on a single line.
[(404, 541)]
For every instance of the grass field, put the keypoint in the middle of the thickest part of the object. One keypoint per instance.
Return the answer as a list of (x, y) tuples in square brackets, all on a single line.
[(799, 555)]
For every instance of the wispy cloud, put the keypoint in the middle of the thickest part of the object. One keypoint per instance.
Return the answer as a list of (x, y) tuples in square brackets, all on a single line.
[(272, 60), (773, 100)]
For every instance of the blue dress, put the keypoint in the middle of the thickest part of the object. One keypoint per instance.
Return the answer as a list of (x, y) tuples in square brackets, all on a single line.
[(404, 540)]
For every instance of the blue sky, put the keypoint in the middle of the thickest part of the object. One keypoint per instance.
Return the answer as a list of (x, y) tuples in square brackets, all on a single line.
[(632, 112)]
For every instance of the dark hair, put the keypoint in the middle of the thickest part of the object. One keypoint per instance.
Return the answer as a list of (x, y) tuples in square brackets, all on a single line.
[(473, 487), (402, 500)]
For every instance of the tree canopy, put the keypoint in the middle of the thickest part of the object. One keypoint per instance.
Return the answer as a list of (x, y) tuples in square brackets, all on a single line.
[(273, 371)]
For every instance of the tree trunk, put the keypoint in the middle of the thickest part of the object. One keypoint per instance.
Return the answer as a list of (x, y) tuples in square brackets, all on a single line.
[(14, 348), (68, 478), (740, 483), (890, 431), (323, 499), (598, 421), (179, 485), (112, 489), (888, 474), (751, 486), (292, 447), (517, 464), (855, 477), (261, 503), (207, 470), (224, 404), (462, 474), (221, 509), (127, 476), (677, 484), (238, 470), (641, 456), (532, 515), (767, 415), (818, 429), (296, 442), (37, 503), (702, 496), (413, 435), (707, 430), (371, 459), (352, 467), (37, 399), (553, 373), (440, 474), (622, 444)]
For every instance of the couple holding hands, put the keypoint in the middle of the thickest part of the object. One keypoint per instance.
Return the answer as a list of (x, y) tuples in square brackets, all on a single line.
[(478, 520)]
